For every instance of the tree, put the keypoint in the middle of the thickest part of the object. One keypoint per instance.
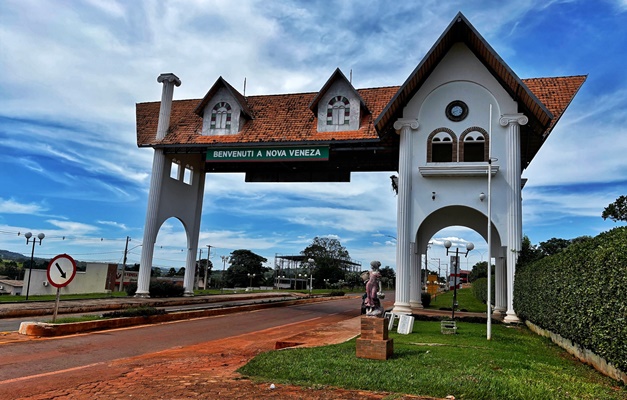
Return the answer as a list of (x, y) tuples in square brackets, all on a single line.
[(616, 211), (388, 276), (330, 259), (171, 272), (244, 262), (528, 253), (480, 270), (553, 246)]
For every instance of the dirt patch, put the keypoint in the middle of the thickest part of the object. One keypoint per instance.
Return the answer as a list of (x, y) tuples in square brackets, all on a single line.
[(207, 371)]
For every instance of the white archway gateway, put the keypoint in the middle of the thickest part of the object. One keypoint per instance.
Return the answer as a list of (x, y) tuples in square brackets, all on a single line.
[(436, 130)]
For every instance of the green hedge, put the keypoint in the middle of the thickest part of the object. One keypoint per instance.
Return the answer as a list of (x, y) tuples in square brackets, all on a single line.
[(480, 289), (581, 294)]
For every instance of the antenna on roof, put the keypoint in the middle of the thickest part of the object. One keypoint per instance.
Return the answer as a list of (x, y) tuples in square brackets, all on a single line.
[(351, 77), (244, 86)]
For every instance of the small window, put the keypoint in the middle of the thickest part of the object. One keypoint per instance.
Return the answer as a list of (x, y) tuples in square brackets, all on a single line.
[(474, 145), (338, 111), (441, 144), (221, 116), (188, 174), (175, 169)]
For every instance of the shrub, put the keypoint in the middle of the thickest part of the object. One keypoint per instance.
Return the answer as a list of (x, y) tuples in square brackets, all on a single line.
[(579, 293), (158, 289), (131, 288), (134, 312), (425, 298), (480, 289), (336, 293)]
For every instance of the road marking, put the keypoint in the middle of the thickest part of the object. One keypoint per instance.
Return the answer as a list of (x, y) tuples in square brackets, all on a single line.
[(24, 378)]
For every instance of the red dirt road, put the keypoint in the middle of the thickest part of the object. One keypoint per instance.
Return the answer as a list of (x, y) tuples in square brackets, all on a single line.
[(201, 371)]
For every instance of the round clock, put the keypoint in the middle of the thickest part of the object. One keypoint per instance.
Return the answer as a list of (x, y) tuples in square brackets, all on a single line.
[(456, 110)]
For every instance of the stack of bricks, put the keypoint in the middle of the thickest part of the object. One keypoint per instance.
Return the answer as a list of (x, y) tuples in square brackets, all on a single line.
[(374, 342)]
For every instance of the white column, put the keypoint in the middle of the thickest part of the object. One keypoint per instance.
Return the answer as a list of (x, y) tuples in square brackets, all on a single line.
[(415, 301), (499, 286), (403, 251), (151, 228), (514, 204)]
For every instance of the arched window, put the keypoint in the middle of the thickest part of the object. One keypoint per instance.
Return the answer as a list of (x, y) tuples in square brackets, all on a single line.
[(338, 111), (221, 116), (474, 147), (441, 146)]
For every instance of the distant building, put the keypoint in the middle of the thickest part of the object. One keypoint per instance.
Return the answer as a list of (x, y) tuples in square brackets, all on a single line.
[(10, 287)]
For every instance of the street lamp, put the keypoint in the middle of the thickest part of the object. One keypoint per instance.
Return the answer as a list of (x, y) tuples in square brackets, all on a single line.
[(41, 237), (469, 247), (311, 265), (224, 258), (251, 276)]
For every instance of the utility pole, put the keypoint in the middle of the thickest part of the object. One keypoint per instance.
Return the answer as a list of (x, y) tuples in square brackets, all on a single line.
[(124, 264)]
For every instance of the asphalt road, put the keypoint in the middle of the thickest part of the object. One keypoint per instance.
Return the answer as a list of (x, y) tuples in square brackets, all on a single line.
[(33, 362), (13, 324)]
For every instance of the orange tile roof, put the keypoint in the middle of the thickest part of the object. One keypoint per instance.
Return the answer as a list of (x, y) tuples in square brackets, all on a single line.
[(555, 93), (286, 118), (282, 118)]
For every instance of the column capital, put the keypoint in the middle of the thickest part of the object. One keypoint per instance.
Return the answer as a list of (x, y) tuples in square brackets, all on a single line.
[(406, 122), (520, 119), (170, 78)]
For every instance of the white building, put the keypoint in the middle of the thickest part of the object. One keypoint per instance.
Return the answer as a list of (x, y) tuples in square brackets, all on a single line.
[(436, 130)]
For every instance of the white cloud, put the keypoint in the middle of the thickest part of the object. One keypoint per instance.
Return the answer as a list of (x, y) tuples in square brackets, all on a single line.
[(12, 206)]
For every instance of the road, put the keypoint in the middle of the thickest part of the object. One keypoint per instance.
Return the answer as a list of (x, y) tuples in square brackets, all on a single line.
[(29, 366), (13, 324)]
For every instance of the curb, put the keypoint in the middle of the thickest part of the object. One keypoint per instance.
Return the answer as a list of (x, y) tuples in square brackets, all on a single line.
[(43, 329)]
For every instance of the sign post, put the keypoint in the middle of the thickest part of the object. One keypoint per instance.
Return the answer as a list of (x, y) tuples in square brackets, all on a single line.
[(61, 271)]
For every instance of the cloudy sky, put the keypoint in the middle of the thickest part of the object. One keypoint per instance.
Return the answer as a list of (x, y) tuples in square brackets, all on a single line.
[(74, 70)]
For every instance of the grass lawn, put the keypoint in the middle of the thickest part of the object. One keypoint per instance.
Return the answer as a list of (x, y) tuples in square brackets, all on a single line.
[(466, 300), (52, 297), (515, 364)]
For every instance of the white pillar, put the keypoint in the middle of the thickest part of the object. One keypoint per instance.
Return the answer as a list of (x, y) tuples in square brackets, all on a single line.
[(403, 251), (499, 286), (151, 229), (415, 301), (514, 204)]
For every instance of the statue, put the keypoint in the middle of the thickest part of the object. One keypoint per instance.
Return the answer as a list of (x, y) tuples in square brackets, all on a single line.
[(374, 290)]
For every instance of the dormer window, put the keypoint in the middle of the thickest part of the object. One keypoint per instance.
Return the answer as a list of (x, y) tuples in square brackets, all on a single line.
[(221, 116), (441, 146), (474, 147), (338, 111)]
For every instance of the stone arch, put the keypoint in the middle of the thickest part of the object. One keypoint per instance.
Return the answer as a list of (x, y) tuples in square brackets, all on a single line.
[(456, 216)]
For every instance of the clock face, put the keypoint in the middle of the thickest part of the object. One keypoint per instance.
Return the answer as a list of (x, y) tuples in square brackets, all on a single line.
[(456, 111)]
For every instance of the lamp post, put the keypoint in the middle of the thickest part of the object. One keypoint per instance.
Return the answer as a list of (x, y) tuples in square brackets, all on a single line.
[(251, 276), (311, 265), (29, 235), (224, 258), (469, 247)]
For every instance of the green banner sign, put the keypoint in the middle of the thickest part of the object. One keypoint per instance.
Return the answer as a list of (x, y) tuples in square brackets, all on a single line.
[(251, 154)]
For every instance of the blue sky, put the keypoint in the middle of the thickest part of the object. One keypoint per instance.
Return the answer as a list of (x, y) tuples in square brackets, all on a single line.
[(74, 70)]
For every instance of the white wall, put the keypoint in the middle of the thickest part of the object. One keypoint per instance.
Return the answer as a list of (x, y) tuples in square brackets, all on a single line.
[(93, 280)]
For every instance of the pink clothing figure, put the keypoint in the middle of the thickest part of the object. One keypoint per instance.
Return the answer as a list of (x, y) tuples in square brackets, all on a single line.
[(373, 286)]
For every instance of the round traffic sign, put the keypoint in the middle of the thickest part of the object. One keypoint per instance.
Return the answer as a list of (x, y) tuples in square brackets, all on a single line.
[(61, 270)]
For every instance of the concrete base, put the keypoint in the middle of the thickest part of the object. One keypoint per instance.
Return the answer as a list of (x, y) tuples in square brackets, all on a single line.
[(401, 308), (374, 343), (415, 305), (512, 319)]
